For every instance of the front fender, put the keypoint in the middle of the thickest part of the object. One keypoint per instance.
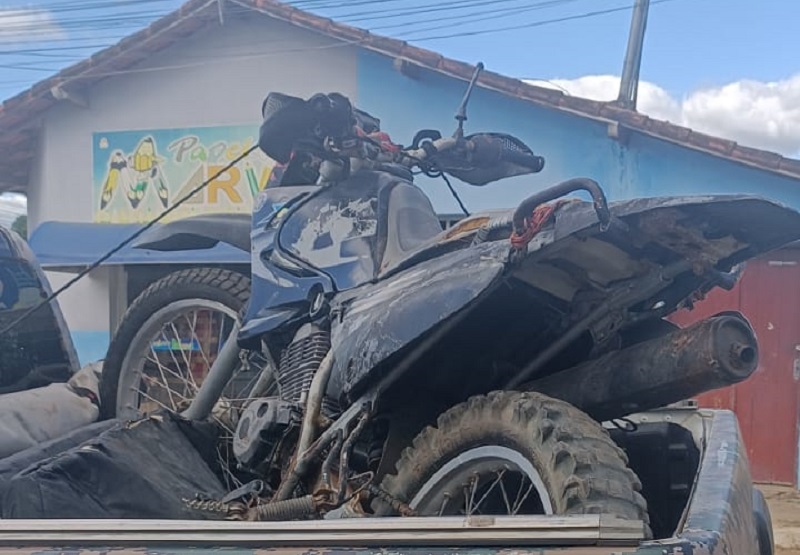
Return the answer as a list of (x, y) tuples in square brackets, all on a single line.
[(199, 232)]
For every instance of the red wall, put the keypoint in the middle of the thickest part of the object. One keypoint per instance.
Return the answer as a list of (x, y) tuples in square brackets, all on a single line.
[(766, 405)]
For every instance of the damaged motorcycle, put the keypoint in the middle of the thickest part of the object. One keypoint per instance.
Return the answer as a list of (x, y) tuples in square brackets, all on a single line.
[(395, 368)]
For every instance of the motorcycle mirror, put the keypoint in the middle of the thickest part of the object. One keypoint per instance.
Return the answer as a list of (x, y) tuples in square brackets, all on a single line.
[(461, 115)]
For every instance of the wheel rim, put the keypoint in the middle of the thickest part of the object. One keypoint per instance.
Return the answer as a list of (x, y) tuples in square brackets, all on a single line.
[(166, 374), (491, 479), (165, 349)]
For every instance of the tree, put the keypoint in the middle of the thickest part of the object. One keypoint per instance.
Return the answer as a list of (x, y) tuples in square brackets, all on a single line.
[(20, 226)]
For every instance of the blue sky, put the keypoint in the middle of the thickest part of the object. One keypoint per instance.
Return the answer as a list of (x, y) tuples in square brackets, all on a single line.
[(727, 67), (690, 43)]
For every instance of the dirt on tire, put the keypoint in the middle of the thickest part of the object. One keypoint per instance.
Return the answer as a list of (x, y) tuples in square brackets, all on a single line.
[(583, 470)]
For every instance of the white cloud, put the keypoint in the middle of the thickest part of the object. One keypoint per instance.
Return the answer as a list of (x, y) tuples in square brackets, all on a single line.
[(753, 113), (28, 25)]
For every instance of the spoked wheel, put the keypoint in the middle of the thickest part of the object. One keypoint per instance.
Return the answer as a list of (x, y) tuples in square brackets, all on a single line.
[(487, 480), (165, 347), (512, 453)]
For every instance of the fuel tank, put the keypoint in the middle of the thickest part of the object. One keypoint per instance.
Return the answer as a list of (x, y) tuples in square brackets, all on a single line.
[(711, 354)]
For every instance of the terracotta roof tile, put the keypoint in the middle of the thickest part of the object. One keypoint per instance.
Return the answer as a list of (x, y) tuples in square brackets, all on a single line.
[(23, 110)]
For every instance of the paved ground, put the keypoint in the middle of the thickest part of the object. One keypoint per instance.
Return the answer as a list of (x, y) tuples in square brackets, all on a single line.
[(784, 506)]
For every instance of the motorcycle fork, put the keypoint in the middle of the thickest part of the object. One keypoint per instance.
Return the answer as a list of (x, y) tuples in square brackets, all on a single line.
[(219, 375)]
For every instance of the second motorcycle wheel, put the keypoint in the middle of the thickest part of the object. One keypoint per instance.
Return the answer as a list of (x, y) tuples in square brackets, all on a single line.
[(168, 340), (512, 453)]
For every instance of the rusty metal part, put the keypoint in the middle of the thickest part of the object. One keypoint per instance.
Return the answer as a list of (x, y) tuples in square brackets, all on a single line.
[(328, 464), (666, 227), (288, 509), (403, 508), (208, 505), (345, 456), (711, 354), (308, 428)]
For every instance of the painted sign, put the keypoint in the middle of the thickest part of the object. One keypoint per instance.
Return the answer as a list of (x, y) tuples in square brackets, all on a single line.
[(138, 174)]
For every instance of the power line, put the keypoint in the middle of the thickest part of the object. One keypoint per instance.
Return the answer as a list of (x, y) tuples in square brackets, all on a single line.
[(16, 12), (535, 23), (473, 17), (346, 43), (371, 15)]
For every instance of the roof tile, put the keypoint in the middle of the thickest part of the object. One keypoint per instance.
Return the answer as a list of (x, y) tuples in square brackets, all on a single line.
[(709, 142), (789, 165), (454, 67), (761, 158)]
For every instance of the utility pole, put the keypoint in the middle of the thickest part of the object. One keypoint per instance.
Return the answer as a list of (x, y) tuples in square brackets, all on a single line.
[(629, 84)]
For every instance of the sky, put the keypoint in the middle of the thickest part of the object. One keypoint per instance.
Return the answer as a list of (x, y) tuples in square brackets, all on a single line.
[(726, 67)]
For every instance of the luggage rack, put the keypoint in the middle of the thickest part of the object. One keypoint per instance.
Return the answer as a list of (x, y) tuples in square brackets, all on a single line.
[(516, 531)]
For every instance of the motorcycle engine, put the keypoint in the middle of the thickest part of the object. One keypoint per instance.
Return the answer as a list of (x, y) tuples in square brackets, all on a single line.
[(266, 422), (262, 426)]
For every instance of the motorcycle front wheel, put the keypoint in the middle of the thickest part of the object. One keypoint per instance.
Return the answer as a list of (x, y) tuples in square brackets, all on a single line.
[(512, 453), (168, 340)]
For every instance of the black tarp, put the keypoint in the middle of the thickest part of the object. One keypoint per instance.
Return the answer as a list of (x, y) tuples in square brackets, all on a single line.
[(138, 470), (16, 463)]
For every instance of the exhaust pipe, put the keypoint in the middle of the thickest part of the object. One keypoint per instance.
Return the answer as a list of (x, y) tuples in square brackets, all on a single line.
[(705, 356)]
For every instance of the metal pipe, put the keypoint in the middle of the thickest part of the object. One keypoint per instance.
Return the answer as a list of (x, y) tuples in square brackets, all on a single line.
[(527, 206), (708, 355), (267, 375), (308, 429), (629, 83), (218, 377), (347, 447), (640, 290)]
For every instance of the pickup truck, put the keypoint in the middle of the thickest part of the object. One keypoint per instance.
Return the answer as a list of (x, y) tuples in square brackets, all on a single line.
[(691, 461)]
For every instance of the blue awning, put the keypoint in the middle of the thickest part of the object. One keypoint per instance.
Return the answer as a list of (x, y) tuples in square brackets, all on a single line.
[(66, 245)]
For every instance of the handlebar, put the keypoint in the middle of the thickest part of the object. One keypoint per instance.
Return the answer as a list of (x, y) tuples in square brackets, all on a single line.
[(479, 159), (485, 151)]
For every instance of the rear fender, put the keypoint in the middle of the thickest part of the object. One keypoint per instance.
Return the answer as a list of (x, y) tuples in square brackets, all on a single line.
[(199, 232), (380, 324)]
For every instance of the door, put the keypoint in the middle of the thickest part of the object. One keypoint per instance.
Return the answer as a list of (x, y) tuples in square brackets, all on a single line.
[(767, 404)]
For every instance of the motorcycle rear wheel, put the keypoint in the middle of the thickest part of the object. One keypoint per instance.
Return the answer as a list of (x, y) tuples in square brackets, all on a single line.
[(515, 453)]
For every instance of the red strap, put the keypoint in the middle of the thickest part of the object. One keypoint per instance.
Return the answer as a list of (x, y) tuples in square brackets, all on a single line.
[(540, 216)]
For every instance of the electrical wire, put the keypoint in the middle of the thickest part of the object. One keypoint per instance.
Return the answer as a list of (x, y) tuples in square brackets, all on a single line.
[(343, 43), (536, 23), (12, 13), (473, 17), (441, 6), (94, 265)]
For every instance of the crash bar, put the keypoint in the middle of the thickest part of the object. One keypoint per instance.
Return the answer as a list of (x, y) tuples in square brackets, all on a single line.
[(518, 531)]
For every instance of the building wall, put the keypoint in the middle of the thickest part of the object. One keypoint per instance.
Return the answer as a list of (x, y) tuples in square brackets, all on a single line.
[(573, 146), (219, 77)]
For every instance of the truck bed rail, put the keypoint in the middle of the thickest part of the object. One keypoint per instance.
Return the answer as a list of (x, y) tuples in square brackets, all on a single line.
[(516, 531)]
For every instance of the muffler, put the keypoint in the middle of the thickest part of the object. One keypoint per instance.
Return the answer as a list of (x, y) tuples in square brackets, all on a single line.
[(705, 356)]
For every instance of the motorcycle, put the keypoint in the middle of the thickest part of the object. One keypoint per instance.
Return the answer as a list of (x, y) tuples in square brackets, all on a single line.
[(421, 371)]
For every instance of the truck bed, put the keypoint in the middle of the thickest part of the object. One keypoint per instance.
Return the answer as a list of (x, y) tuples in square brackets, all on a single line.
[(724, 514)]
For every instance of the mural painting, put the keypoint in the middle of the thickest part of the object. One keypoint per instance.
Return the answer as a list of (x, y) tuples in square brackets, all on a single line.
[(139, 174)]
